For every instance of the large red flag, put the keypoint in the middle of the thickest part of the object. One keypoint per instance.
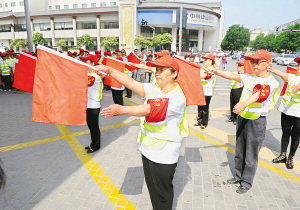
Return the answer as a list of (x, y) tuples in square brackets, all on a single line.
[(60, 89), (190, 82), (24, 74), (133, 59), (118, 65), (289, 70)]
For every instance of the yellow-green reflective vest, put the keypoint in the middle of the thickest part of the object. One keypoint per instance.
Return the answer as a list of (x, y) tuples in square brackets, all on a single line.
[(290, 98), (5, 68), (101, 60), (253, 111), (155, 135)]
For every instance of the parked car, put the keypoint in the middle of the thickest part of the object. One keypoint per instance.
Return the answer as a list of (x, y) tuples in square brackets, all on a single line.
[(293, 63), (274, 56), (234, 56), (227, 53), (285, 59)]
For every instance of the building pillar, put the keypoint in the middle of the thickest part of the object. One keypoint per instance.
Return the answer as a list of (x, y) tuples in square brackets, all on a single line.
[(200, 39), (74, 30), (13, 31), (31, 25), (98, 32), (52, 30), (174, 34)]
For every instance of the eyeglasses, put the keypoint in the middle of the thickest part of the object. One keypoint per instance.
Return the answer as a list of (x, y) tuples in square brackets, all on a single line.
[(122, 52), (257, 62)]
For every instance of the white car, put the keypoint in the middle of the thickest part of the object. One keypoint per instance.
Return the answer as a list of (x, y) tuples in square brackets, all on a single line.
[(285, 59)]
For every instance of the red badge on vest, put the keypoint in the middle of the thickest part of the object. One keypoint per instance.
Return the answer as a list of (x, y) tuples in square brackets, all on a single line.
[(158, 109), (91, 80), (264, 92)]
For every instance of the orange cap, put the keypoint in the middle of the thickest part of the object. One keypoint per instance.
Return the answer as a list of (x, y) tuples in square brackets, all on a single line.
[(240, 63), (260, 55), (165, 61), (209, 57), (91, 58), (162, 53), (297, 59)]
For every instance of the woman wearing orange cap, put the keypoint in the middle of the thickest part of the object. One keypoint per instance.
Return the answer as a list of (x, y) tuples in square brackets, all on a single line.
[(163, 126), (290, 115)]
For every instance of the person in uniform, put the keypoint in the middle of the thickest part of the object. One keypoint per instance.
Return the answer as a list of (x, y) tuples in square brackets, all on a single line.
[(6, 71), (95, 86), (208, 81), (235, 93), (163, 126), (260, 94), (290, 115)]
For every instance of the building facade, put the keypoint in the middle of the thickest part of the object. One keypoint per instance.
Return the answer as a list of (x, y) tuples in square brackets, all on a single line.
[(283, 27), (70, 19)]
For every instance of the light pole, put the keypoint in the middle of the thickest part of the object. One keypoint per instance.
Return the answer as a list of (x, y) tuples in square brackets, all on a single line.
[(180, 31), (28, 26)]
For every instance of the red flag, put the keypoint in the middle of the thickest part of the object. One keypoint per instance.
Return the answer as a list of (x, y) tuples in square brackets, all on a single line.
[(133, 59), (24, 74), (60, 89), (289, 70), (190, 82), (248, 67), (118, 65)]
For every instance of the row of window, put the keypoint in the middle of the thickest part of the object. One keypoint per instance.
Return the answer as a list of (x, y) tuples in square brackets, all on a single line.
[(102, 4), (12, 4)]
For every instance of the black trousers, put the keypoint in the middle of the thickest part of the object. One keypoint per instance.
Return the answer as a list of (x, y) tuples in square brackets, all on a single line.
[(159, 179), (235, 95), (128, 93), (250, 135), (290, 128), (203, 112), (118, 96), (6, 82), (92, 119)]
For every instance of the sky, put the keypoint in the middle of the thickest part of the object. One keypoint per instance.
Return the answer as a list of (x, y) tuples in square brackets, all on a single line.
[(264, 14)]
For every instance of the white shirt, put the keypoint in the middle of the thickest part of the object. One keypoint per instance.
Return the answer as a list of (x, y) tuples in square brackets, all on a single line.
[(291, 110), (170, 153), (94, 92), (208, 88)]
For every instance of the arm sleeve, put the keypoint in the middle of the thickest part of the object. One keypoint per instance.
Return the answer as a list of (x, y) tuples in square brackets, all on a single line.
[(243, 78)]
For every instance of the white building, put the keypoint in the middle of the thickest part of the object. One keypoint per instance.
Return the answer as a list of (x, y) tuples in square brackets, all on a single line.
[(70, 19)]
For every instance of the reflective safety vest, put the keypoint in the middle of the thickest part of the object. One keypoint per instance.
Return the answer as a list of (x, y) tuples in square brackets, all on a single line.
[(253, 111), (101, 60), (290, 98), (156, 135), (235, 84), (5, 68), (14, 64)]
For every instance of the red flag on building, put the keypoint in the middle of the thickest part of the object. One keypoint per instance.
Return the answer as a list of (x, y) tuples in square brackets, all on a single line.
[(133, 59), (190, 82), (118, 65), (24, 73), (289, 70), (60, 89)]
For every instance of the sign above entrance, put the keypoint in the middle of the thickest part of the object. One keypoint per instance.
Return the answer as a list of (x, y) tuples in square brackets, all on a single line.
[(199, 18)]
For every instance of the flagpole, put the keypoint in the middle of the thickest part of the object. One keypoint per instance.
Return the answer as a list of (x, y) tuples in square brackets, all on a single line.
[(28, 26), (180, 31)]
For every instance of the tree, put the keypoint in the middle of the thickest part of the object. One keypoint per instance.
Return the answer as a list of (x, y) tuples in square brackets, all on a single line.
[(259, 42), (61, 43), (162, 39), (38, 38), (269, 42), (109, 41), (85, 40), (18, 43), (237, 37), (287, 40), (157, 40), (142, 42)]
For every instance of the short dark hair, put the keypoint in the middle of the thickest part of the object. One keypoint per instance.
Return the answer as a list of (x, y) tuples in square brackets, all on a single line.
[(135, 50), (143, 49), (173, 71), (193, 56), (150, 56)]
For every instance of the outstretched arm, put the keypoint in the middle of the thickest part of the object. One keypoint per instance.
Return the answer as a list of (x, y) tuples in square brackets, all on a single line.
[(116, 110), (226, 74), (283, 75), (240, 107), (140, 66), (122, 78)]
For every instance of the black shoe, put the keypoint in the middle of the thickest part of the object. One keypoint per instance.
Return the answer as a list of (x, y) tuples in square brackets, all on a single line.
[(230, 120), (242, 189), (203, 126), (126, 96), (234, 123), (289, 163), (92, 150), (280, 159), (88, 147), (197, 124), (232, 181)]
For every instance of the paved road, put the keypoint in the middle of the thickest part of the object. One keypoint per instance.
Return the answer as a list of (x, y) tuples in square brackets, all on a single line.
[(47, 167)]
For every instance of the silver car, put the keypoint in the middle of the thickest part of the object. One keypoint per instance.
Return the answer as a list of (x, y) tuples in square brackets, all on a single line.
[(285, 59)]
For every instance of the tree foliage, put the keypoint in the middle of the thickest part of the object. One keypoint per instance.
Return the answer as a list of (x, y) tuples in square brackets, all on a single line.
[(85, 40), (109, 41), (18, 43), (161, 39), (61, 43), (237, 37), (287, 40), (258, 43), (38, 38), (142, 42)]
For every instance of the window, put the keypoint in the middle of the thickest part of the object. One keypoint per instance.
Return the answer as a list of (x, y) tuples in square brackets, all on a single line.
[(5, 28), (50, 7), (103, 4), (0, 5), (63, 26), (13, 4), (6, 4), (93, 5), (87, 25), (75, 6), (20, 27), (57, 7), (112, 4), (41, 27), (21, 3), (66, 6), (84, 5), (111, 25)]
